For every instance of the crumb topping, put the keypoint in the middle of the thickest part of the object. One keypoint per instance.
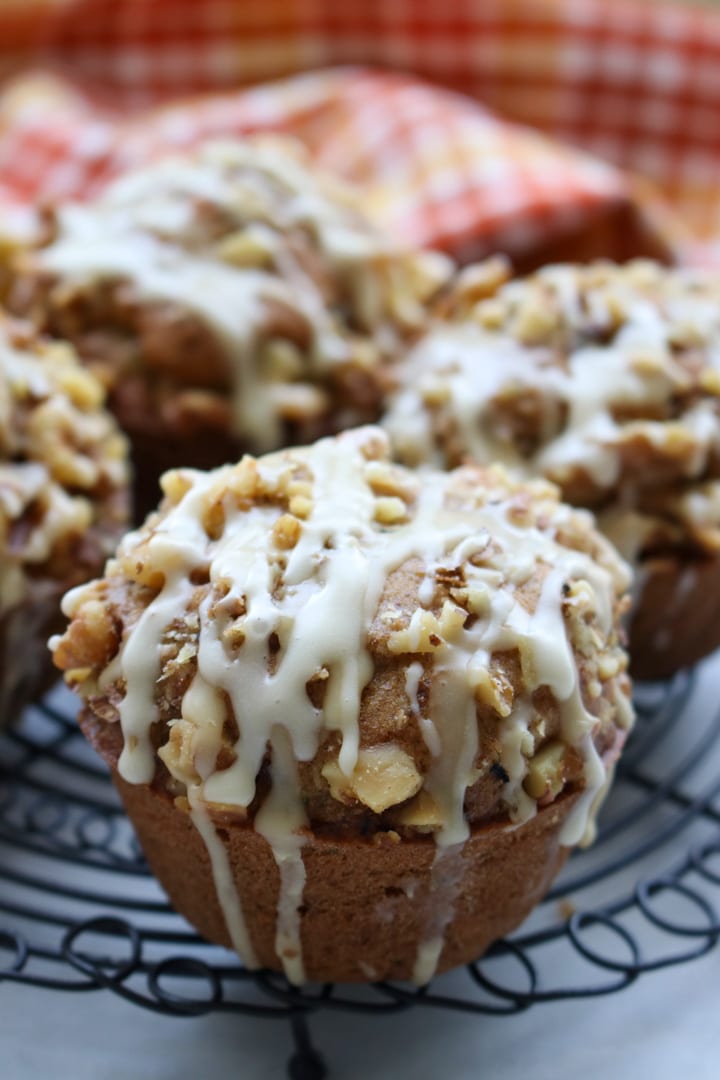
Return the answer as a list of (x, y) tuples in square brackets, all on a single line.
[(63, 475), (322, 637), (243, 253), (604, 379), (288, 574)]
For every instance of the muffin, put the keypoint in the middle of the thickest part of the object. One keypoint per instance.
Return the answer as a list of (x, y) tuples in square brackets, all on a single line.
[(358, 716), (231, 299), (63, 500), (605, 380)]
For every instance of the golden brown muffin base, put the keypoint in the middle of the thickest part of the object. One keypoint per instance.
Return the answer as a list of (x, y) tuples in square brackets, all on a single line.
[(366, 905), (675, 619)]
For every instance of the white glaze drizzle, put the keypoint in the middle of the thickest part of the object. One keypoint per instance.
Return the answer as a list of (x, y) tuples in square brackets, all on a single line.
[(318, 600), (280, 820), (445, 884), (140, 230), (139, 660), (44, 395), (463, 371), (231, 302), (227, 893), (204, 709), (413, 675)]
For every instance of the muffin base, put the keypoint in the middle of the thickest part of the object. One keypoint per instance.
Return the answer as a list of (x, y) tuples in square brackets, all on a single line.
[(367, 903), (675, 619), (26, 667), (152, 455)]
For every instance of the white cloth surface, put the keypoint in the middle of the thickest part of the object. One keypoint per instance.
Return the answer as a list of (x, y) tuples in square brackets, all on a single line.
[(665, 1026)]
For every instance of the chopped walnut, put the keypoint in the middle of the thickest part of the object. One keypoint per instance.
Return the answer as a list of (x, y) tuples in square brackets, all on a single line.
[(384, 776), (286, 531), (601, 378), (63, 473), (545, 777)]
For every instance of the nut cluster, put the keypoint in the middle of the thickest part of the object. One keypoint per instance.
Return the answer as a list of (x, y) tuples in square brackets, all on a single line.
[(63, 474), (602, 378), (322, 300)]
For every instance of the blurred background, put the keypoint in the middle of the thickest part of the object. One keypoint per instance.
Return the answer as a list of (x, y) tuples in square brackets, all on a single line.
[(547, 128)]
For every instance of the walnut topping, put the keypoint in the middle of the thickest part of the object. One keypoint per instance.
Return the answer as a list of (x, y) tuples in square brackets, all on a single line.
[(214, 519), (243, 481), (421, 813), (535, 322), (300, 506), (286, 531), (386, 479), (435, 392), (390, 510), (178, 753), (384, 776), (175, 485), (283, 360), (545, 777), (255, 284), (490, 313), (483, 279), (234, 635), (298, 401), (245, 248), (63, 472), (91, 640), (422, 635), (493, 688), (602, 378), (355, 668)]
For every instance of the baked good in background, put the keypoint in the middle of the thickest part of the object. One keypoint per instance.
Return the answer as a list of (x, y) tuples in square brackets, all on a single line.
[(230, 299), (604, 379), (63, 499), (357, 715)]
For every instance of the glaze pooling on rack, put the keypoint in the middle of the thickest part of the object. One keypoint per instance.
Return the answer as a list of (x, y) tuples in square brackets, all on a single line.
[(297, 568)]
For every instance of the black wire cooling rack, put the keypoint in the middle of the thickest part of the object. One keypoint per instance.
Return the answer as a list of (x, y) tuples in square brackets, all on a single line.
[(79, 910)]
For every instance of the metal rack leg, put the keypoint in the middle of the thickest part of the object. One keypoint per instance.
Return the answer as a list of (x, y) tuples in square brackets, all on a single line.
[(306, 1063)]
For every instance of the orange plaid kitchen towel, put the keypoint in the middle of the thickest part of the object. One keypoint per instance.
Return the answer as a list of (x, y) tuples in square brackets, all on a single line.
[(635, 82)]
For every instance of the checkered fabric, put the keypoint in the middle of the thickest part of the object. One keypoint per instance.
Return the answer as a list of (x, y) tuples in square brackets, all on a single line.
[(624, 97)]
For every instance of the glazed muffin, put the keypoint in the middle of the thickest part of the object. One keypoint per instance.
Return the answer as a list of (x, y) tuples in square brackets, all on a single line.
[(63, 500), (606, 380), (358, 716), (232, 299)]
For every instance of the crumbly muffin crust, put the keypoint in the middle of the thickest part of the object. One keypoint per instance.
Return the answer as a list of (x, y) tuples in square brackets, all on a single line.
[(63, 495), (319, 643), (604, 379), (234, 289)]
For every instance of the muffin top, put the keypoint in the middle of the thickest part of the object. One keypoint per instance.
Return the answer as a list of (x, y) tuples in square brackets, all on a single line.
[(323, 637), (286, 282), (63, 473), (605, 379)]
